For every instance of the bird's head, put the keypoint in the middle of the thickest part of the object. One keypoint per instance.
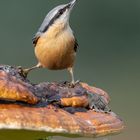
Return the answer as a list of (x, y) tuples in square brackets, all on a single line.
[(61, 13), (59, 16)]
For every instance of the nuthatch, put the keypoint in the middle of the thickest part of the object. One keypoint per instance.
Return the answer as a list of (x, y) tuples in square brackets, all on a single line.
[(55, 44)]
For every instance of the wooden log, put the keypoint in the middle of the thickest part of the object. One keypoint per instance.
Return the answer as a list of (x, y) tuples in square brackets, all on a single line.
[(54, 107)]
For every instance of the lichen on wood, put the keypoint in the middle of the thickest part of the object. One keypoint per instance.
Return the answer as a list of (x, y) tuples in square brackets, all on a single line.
[(54, 107)]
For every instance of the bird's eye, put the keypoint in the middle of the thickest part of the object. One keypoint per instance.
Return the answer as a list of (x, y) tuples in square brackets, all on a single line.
[(61, 12)]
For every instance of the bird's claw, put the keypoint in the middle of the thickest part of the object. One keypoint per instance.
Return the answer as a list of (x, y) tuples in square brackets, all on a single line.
[(70, 84), (23, 72), (73, 84)]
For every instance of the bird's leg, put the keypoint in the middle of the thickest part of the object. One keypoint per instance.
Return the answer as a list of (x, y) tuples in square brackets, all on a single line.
[(32, 68), (25, 72), (72, 76)]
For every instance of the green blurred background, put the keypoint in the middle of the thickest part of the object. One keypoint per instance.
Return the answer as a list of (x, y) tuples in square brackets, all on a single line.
[(108, 32)]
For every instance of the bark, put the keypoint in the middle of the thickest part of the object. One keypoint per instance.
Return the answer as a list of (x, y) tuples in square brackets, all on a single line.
[(54, 107)]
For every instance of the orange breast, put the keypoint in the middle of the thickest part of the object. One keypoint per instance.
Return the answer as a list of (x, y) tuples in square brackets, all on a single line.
[(55, 50)]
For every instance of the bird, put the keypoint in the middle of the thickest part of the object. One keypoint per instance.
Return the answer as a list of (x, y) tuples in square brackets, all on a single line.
[(54, 43)]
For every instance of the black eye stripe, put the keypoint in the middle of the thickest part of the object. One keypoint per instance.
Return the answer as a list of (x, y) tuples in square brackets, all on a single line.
[(59, 13)]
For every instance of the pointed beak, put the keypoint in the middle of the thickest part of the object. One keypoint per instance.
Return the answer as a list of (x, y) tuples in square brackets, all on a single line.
[(72, 3), (70, 6)]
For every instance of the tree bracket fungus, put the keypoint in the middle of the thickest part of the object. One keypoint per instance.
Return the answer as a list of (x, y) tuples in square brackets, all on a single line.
[(54, 107)]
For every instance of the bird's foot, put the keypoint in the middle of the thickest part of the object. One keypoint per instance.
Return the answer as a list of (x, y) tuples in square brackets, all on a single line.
[(74, 83), (69, 84), (23, 72)]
